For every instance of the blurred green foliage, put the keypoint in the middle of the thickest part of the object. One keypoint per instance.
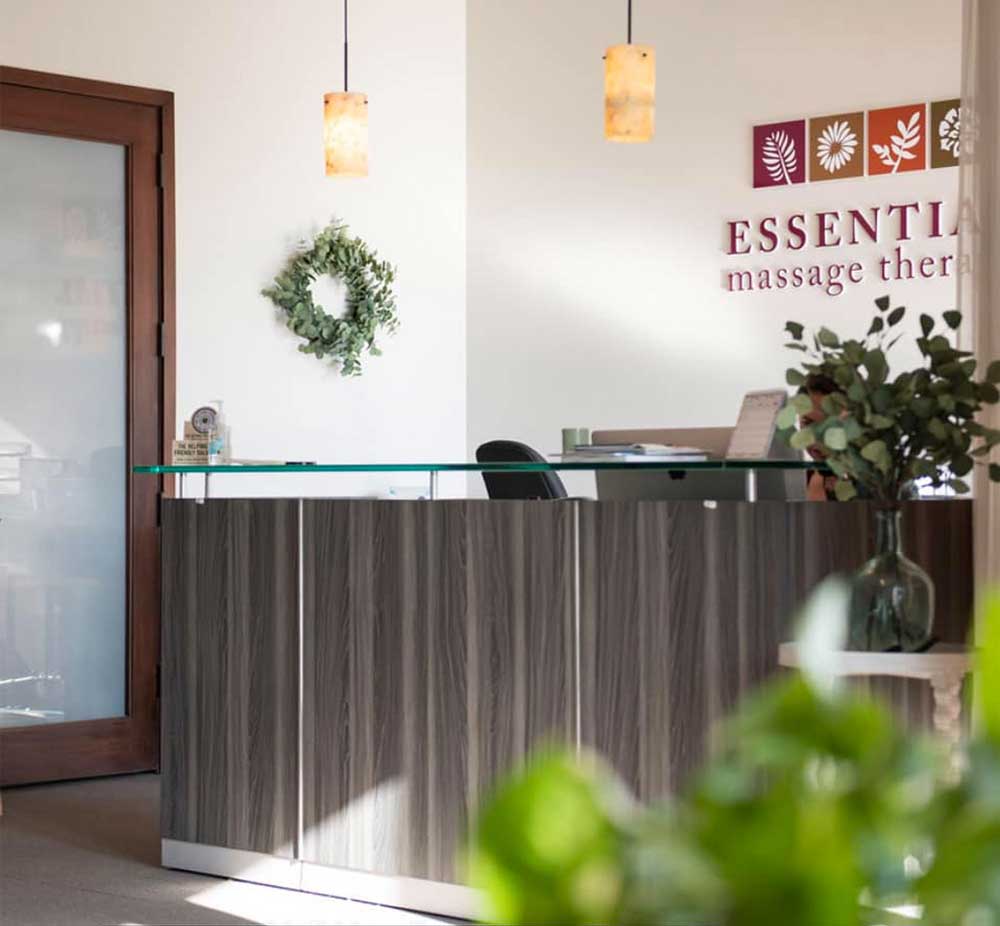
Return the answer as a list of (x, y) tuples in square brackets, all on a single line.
[(815, 811)]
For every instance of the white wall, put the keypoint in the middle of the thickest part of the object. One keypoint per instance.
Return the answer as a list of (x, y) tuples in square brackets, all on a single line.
[(249, 78), (594, 269)]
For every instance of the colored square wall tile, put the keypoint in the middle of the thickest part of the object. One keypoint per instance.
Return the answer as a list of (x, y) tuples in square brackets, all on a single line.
[(837, 146), (945, 126), (779, 153), (897, 139)]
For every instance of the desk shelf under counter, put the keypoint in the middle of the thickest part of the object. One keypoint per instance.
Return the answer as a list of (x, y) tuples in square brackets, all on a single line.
[(344, 680)]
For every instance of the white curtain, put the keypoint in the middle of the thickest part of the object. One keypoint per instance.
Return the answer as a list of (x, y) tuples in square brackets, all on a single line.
[(979, 241)]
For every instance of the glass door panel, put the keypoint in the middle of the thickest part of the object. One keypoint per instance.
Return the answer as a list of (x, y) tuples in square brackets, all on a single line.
[(63, 429)]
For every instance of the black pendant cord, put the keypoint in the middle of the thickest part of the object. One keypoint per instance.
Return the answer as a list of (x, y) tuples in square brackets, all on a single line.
[(629, 21), (345, 45)]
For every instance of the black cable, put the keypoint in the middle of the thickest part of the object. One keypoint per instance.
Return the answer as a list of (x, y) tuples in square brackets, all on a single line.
[(345, 45), (629, 21)]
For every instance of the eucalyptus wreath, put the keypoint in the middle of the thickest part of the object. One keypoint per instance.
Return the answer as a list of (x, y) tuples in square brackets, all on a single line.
[(370, 303)]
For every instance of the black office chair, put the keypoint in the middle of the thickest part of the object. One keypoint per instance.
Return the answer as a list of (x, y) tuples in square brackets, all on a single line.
[(543, 485)]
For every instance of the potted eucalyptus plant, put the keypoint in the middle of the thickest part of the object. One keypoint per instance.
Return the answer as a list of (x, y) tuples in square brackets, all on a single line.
[(880, 434)]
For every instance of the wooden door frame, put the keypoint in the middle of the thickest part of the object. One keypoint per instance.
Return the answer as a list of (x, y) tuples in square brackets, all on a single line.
[(79, 749)]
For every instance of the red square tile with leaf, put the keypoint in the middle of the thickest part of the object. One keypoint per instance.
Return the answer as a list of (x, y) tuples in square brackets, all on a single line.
[(897, 139)]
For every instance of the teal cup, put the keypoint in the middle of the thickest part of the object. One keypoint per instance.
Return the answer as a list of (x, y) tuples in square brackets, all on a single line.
[(573, 436)]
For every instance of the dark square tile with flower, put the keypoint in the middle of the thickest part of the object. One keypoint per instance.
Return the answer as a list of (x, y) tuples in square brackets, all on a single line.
[(945, 127)]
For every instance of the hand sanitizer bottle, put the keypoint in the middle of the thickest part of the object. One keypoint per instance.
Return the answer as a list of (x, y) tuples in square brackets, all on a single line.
[(218, 442)]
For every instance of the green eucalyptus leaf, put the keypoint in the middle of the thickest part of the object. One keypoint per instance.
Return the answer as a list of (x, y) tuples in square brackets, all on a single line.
[(845, 490), (993, 372), (882, 399), (994, 471), (835, 438), (787, 416), (937, 427), (875, 451), (838, 466), (926, 325), (878, 369), (856, 392), (952, 319), (794, 377), (988, 393), (896, 316), (801, 403), (854, 352), (795, 330), (882, 303), (802, 439), (827, 338), (962, 466)]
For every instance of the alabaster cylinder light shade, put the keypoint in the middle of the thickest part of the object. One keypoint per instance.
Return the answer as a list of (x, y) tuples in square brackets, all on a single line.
[(629, 93), (345, 134)]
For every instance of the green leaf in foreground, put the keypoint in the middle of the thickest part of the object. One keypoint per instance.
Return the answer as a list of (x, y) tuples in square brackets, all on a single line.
[(548, 849), (988, 687)]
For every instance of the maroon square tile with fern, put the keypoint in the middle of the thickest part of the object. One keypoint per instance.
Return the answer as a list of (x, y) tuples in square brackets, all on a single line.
[(779, 153)]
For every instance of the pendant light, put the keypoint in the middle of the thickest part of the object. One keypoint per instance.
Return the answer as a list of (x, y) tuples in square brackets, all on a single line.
[(345, 128), (629, 90)]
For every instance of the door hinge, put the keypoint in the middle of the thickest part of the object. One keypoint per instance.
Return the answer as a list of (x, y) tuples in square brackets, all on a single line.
[(159, 170), (159, 509)]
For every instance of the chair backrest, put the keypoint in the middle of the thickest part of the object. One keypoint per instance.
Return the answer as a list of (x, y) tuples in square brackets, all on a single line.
[(545, 485)]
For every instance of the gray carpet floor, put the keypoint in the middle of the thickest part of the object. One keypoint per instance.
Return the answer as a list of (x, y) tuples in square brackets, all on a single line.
[(87, 852)]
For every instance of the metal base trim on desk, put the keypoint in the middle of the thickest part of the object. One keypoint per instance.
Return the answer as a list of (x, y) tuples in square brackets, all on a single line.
[(386, 890)]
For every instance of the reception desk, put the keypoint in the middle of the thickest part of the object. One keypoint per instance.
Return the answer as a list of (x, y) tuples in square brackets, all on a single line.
[(343, 681)]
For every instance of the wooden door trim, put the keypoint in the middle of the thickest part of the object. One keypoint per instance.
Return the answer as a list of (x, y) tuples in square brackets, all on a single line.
[(162, 100), (129, 743), (120, 93)]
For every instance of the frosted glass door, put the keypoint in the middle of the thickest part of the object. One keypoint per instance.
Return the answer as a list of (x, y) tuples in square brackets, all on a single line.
[(63, 407)]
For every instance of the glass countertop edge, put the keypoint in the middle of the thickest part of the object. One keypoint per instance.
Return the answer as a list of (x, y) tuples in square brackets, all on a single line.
[(562, 466)]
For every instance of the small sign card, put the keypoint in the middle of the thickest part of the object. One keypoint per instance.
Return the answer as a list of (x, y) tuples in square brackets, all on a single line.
[(754, 431)]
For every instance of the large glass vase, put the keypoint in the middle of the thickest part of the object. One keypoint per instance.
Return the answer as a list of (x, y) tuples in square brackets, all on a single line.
[(892, 600)]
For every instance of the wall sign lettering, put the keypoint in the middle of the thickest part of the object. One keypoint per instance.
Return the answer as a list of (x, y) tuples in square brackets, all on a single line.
[(892, 224)]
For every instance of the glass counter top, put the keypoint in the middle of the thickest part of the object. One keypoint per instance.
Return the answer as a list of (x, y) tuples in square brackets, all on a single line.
[(591, 464)]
